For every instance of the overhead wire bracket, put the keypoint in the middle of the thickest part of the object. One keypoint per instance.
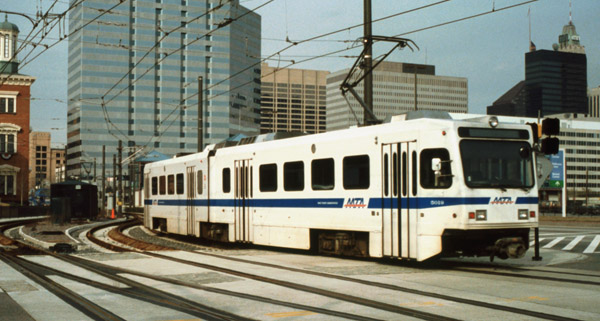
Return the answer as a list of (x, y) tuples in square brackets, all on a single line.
[(348, 85)]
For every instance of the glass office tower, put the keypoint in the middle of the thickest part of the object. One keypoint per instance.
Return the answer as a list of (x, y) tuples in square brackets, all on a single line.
[(134, 71)]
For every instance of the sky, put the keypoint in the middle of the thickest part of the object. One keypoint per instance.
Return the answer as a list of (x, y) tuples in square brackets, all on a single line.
[(489, 50)]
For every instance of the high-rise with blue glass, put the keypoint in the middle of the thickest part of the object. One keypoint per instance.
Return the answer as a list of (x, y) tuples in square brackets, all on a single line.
[(134, 71)]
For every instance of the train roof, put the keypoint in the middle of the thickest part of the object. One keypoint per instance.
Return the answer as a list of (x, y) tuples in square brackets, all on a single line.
[(436, 119)]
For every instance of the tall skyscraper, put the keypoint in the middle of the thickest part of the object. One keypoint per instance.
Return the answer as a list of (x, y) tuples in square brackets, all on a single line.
[(134, 71), (394, 87), (555, 81), (293, 100)]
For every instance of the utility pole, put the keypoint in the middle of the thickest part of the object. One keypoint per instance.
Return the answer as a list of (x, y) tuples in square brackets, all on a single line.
[(103, 179), (120, 166), (114, 185), (200, 115), (368, 63)]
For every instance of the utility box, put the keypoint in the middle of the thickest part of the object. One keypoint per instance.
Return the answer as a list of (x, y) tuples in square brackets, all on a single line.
[(74, 200)]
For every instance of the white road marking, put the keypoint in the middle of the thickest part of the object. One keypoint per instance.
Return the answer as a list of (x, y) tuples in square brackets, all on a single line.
[(533, 242), (554, 242), (573, 243), (592, 247)]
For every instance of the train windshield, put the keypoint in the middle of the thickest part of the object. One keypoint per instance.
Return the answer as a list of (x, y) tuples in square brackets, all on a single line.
[(497, 164)]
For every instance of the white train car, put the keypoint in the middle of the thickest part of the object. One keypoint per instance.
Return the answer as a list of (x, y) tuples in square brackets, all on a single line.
[(409, 188)]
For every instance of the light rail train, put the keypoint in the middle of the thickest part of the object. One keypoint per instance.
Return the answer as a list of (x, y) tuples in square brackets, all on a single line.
[(420, 186)]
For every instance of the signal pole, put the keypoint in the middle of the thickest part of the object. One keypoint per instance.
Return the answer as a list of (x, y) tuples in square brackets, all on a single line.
[(368, 63), (103, 179), (200, 115), (120, 166)]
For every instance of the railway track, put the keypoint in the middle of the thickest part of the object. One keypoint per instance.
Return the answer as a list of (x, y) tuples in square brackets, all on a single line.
[(283, 279), (348, 298)]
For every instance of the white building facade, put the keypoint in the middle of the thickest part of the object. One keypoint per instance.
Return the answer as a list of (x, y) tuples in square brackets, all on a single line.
[(394, 93)]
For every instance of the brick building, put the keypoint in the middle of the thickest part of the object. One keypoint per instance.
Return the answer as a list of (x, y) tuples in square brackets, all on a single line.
[(14, 120)]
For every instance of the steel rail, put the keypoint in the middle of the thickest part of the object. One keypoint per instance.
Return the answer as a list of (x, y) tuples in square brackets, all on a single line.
[(477, 303), (82, 304)]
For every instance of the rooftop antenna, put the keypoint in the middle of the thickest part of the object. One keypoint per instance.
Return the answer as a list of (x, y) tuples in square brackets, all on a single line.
[(531, 44), (570, 13)]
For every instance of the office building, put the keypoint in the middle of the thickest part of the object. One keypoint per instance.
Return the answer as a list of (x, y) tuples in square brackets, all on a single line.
[(46, 163), (555, 81), (394, 86), (594, 102), (15, 96), (293, 100), (134, 73)]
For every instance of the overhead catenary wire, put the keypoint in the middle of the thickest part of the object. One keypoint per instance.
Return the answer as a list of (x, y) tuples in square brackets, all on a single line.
[(354, 46)]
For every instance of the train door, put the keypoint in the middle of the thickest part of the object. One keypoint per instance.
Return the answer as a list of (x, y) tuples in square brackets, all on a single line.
[(190, 196), (147, 218), (242, 195), (391, 236), (399, 194)]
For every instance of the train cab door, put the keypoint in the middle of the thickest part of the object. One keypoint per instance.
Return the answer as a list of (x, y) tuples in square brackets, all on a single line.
[(190, 196), (242, 195), (399, 194)]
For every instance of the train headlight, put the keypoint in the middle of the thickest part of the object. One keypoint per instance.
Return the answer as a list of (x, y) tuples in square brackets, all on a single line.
[(493, 121), (481, 215), (523, 215)]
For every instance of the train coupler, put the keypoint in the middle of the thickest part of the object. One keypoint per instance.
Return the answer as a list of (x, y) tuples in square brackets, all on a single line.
[(508, 247)]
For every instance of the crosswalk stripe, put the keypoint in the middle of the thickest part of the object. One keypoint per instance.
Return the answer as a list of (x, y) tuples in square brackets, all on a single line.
[(554, 242), (592, 247), (533, 242), (574, 242)]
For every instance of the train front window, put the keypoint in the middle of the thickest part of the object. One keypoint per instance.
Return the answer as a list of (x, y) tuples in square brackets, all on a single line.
[(497, 164)]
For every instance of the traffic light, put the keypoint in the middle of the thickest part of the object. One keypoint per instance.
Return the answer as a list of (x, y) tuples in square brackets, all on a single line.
[(550, 145), (550, 127)]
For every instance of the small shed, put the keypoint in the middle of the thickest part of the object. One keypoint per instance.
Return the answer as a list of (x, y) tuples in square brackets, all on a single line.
[(73, 200)]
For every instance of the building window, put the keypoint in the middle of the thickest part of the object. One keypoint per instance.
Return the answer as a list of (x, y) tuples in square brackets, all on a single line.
[(6, 44), (7, 184), (7, 105), (7, 143)]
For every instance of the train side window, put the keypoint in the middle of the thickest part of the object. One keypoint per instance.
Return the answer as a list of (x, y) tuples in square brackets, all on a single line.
[(356, 172), (154, 185), (431, 178), (322, 174), (199, 182), (179, 183), (386, 179), (162, 185), (414, 173), (293, 176), (171, 184), (226, 180), (267, 177)]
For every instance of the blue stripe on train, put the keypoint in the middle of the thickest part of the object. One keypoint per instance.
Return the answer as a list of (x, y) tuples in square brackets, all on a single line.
[(374, 203)]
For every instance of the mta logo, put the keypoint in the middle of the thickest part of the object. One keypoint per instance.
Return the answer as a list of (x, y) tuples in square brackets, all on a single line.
[(502, 200), (356, 202)]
